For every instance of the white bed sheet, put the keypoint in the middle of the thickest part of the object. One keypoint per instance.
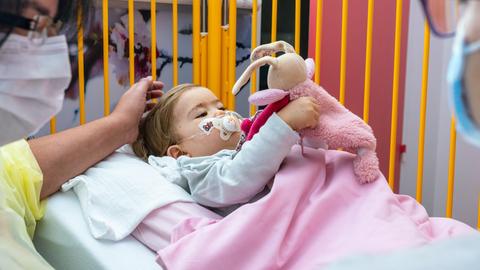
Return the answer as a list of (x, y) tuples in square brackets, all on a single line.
[(63, 239)]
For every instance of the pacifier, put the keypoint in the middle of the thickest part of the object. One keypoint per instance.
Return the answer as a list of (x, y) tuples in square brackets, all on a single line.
[(227, 124)]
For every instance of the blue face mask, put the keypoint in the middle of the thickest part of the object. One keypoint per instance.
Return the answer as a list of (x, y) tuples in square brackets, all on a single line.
[(457, 94)]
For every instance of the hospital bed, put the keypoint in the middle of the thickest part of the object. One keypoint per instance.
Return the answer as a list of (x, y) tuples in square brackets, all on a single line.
[(63, 239)]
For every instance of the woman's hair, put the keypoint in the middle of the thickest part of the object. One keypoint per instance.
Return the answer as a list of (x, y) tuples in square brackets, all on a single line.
[(156, 131), (67, 11), (14, 7)]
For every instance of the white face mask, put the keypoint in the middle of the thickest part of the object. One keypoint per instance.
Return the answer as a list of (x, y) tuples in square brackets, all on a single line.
[(33, 79)]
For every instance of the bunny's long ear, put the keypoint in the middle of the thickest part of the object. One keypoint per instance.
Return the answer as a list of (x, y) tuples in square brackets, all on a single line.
[(270, 49), (251, 68), (310, 68)]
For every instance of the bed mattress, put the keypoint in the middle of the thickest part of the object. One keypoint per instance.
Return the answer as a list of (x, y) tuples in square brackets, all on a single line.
[(63, 239)]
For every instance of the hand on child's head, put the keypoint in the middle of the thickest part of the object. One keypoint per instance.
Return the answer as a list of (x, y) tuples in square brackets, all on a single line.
[(301, 113), (133, 104)]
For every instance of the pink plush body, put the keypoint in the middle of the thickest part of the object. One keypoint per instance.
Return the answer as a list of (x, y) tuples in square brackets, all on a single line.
[(337, 126), (340, 128)]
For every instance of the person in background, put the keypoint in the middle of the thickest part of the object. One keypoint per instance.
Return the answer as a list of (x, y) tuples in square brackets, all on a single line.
[(34, 72), (460, 18), (446, 18)]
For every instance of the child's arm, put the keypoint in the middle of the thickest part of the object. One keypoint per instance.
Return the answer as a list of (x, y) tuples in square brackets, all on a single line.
[(227, 178)]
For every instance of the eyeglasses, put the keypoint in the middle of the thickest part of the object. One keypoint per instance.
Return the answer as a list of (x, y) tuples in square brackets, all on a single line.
[(443, 15), (39, 28)]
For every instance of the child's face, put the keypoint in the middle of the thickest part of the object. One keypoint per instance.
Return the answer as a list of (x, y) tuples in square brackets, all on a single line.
[(192, 107)]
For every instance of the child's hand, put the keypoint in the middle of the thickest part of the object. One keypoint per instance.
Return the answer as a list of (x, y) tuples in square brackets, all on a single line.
[(300, 113)]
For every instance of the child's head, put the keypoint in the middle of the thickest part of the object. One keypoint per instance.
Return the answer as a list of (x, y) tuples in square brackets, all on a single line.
[(172, 126)]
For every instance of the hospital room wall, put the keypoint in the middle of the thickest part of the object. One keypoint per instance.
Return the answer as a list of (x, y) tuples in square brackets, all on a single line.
[(467, 171)]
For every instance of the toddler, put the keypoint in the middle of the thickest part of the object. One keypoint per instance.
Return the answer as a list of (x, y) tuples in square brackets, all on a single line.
[(190, 128)]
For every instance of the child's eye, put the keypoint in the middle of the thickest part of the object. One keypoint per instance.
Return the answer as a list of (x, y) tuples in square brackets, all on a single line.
[(222, 108), (203, 114)]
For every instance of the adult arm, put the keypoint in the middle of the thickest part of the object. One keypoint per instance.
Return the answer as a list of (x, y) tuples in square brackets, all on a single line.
[(66, 154)]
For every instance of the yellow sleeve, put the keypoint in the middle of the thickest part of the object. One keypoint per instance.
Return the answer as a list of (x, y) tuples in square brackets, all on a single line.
[(20, 182)]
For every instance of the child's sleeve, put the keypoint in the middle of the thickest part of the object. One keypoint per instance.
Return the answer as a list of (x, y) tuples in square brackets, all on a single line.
[(228, 179)]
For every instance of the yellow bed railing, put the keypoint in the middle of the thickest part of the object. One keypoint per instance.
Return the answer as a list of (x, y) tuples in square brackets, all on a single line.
[(368, 61), (423, 111), (81, 73)]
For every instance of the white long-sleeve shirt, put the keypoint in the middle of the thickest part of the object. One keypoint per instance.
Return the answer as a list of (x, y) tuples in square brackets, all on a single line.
[(230, 178)]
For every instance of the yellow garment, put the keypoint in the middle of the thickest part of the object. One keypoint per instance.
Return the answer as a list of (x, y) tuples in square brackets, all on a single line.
[(20, 207)]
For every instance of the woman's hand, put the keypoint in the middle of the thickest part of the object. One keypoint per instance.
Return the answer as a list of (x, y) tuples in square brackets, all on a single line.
[(134, 103), (300, 113)]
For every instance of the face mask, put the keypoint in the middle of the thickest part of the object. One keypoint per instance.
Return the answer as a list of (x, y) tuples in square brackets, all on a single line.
[(456, 79), (227, 124), (33, 79)]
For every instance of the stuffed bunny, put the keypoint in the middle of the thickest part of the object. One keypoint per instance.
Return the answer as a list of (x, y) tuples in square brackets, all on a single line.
[(289, 77)]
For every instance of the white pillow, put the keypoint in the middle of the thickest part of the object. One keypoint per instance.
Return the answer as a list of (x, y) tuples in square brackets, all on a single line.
[(119, 192)]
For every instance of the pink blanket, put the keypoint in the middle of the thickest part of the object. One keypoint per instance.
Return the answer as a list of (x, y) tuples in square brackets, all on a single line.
[(316, 213)]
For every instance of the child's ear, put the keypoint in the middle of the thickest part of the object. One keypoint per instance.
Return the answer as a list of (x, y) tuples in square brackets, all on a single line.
[(174, 151)]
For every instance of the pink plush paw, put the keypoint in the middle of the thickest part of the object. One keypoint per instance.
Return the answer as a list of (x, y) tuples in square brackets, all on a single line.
[(365, 166)]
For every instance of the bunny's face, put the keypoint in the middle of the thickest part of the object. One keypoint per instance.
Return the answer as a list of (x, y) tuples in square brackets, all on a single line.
[(289, 71), (285, 71)]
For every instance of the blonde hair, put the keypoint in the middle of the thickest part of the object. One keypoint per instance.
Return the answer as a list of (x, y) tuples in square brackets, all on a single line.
[(156, 130)]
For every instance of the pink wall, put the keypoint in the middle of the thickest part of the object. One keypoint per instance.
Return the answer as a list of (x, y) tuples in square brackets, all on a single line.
[(382, 63)]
